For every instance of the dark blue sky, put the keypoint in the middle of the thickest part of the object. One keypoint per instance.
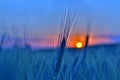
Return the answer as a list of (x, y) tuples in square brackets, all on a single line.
[(43, 16)]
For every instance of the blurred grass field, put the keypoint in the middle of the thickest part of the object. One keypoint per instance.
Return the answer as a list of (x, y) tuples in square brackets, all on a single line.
[(102, 63)]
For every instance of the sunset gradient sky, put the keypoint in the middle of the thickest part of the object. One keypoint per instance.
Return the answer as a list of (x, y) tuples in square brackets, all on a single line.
[(41, 18)]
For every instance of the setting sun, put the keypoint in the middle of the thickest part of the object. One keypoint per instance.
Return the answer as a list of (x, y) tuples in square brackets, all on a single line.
[(79, 45)]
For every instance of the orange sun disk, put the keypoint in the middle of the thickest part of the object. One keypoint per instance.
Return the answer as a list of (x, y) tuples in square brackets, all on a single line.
[(79, 45)]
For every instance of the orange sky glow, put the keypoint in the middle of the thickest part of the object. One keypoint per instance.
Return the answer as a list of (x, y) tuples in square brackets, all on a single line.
[(52, 41)]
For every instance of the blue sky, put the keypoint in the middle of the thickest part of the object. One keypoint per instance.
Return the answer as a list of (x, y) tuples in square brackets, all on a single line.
[(43, 16)]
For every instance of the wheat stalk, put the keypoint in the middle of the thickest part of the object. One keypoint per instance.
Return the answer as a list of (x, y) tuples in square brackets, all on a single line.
[(66, 22)]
